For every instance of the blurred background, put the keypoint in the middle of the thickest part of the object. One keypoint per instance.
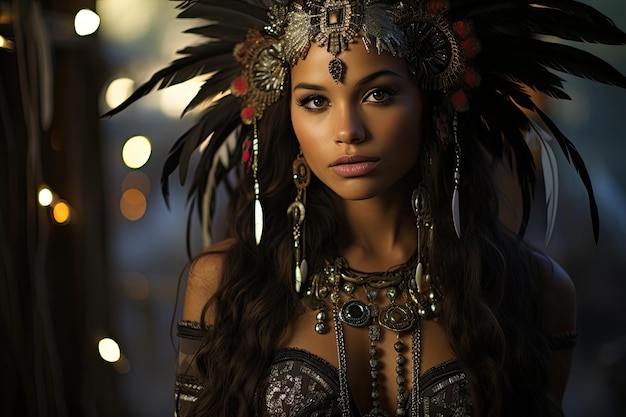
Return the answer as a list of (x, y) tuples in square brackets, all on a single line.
[(91, 256)]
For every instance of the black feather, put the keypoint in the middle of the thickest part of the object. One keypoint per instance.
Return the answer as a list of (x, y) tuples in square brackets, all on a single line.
[(565, 19), (502, 126), (243, 15), (572, 155), (217, 84), (225, 33), (214, 121), (529, 53), (533, 74), (180, 153), (183, 69)]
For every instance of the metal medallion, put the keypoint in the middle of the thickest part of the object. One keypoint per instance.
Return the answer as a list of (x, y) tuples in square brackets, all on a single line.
[(355, 313), (396, 318)]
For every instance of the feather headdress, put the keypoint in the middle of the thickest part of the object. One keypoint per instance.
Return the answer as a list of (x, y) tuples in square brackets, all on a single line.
[(482, 55)]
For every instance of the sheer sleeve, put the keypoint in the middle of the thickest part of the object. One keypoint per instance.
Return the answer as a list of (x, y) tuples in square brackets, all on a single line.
[(188, 379)]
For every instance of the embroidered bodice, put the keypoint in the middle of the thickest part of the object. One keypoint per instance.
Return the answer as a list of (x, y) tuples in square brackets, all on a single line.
[(302, 384)]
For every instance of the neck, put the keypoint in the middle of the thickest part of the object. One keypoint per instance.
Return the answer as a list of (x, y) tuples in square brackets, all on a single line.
[(377, 233)]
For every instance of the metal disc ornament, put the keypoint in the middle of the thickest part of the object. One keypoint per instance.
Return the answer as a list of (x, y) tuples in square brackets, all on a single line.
[(396, 318), (355, 313)]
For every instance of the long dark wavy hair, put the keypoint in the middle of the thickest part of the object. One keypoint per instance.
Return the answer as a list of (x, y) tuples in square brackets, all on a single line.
[(491, 309)]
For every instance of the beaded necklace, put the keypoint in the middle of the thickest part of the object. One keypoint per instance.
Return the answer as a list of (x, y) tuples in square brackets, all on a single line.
[(400, 315)]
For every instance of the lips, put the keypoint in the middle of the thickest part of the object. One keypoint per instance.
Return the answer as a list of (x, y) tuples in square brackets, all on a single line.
[(354, 165)]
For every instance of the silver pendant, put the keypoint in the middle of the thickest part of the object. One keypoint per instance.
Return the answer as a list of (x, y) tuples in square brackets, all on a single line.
[(355, 313), (396, 318)]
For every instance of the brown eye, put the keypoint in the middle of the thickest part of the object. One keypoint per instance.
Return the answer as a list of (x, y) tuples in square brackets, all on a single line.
[(317, 102), (313, 103), (380, 95)]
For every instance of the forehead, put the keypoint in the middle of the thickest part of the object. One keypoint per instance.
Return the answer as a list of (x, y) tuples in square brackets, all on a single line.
[(358, 63)]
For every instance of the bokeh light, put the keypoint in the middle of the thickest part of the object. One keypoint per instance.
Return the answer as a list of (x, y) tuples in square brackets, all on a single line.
[(6, 44), (45, 196), (133, 204), (126, 21), (138, 180), (61, 212), (109, 350), (86, 22), (122, 366), (118, 91), (174, 99), (136, 151), (136, 286)]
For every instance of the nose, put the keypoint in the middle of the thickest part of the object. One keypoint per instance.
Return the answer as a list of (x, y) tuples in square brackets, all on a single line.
[(350, 128)]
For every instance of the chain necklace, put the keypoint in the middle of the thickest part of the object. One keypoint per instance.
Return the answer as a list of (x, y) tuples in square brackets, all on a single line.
[(399, 316)]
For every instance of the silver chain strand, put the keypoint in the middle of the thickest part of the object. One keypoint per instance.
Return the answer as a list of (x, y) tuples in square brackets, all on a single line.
[(344, 404), (416, 354)]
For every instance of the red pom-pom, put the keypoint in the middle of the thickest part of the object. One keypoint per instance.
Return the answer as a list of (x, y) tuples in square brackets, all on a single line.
[(437, 6), (247, 114), (239, 86), (471, 47), (471, 78), (461, 28), (460, 101)]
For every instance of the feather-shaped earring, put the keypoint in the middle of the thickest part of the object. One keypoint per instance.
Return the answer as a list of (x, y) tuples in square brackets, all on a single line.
[(424, 287), (258, 209), (456, 210), (301, 179)]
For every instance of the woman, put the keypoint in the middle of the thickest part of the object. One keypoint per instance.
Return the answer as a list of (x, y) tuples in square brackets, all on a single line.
[(367, 272)]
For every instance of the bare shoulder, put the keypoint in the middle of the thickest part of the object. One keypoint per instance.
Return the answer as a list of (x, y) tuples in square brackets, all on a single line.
[(205, 274), (558, 294)]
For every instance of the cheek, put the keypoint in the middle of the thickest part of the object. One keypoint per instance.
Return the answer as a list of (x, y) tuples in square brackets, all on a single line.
[(401, 132), (308, 137), (411, 127), (304, 131)]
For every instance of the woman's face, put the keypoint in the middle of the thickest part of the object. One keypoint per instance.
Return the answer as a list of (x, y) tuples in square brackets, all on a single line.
[(360, 136)]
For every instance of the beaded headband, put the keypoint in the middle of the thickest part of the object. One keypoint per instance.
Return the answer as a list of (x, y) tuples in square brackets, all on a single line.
[(476, 58)]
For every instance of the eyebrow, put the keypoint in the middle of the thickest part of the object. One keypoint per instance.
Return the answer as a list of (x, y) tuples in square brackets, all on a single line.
[(360, 83)]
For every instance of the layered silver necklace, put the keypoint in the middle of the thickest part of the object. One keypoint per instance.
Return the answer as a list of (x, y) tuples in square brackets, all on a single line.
[(399, 315)]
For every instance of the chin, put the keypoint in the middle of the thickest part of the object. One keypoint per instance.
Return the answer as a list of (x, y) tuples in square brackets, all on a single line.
[(358, 192)]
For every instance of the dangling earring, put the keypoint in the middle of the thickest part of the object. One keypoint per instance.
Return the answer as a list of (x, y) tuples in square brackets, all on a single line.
[(301, 179), (423, 288), (456, 211), (258, 209)]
